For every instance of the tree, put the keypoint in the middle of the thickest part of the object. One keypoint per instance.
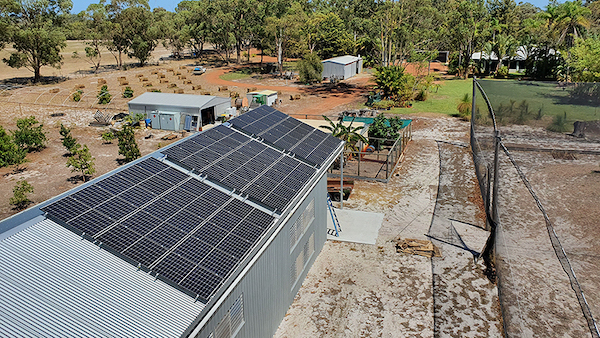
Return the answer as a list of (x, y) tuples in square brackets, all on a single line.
[(197, 23), (10, 153), (68, 141), (36, 34), (329, 36), (572, 18), (82, 161), (505, 47), (97, 32), (20, 191), (29, 135), (584, 60), (104, 96), (310, 68), (284, 26), (350, 135), (395, 83), (127, 145), (128, 92), (141, 32)]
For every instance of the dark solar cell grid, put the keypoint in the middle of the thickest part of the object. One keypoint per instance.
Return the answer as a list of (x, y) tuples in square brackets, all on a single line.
[(207, 155), (173, 175), (145, 251), (210, 234), (134, 174), (152, 165), (115, 208), (202, 282), (212, 134), (245, 173), (91, 222), (193, 249), (195, 187), (236, 182), (239, 137), (238, 208), (235, 246), (190, 147), (265, 182), (137, 196), (114, 184), (276, 202), (260, 218), (276, 174), (166, 235), (215, 173), (226, 220), (284, 143), (200, 209), (219, 262), (92, 195), (221, 148), (174, 267), (195, 162), (156, 185), (201, 140), (257, 192), (184, 221), (119, 238), (161, 209), (65, 209), (249, 231), (179, 196), (216, 197), (227, 165), (140, 222), (230, 142)]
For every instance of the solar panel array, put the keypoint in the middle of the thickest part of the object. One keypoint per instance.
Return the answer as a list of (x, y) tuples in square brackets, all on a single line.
[(285, 132), (186, 231), (235, 160)]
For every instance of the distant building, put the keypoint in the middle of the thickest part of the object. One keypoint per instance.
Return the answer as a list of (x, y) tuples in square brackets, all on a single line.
[(180, 111), (342, 67), (265, 97), (210, 236)]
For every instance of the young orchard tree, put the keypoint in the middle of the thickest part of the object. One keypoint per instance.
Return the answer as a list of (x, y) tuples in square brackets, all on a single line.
[(127, 145), (68, 141), (10, 152), (83, 162), (20, 191), (29, 134)]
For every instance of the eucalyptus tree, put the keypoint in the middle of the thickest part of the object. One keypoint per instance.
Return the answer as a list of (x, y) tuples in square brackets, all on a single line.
[(284, 26), (197, 22), (35, 33)]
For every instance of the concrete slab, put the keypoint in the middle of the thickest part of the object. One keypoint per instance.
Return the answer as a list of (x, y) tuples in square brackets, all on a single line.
[(357, 226)]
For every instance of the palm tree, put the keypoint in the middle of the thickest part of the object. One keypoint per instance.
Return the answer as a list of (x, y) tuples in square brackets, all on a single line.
[(571, 18), (348, 133), (506, 46)]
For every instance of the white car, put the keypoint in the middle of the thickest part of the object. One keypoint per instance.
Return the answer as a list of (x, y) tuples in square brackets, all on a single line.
[(199, 70)]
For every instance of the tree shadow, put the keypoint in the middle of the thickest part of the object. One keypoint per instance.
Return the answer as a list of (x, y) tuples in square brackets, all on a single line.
[(28, 81)]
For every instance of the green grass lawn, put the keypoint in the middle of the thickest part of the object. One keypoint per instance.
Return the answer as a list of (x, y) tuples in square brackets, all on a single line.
[(236, 75), (444, 101)]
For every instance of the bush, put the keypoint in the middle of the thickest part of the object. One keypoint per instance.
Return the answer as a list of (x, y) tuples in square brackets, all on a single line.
[(559, 123), (20, 191), (384, 104), (502, 73), (77, 95), (29, 135), (104, 95), (127, 145), (395, 83), (421, 95), (82, 161), (464, 107), (68, 141), (10, 153), (128, 93), (310, 68), (108, 136)]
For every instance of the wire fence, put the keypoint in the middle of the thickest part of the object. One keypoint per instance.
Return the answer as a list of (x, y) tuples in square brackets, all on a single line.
[(550, 105)]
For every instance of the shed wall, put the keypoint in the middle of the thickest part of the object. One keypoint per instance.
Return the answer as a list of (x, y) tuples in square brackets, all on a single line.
[(268, 289)]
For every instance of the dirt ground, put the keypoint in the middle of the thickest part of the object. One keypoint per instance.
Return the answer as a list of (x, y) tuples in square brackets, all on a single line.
[(537, 296), (356, 290)]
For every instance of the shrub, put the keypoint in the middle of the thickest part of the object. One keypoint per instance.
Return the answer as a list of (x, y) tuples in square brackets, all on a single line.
[(395, 83), (104, 95), (20, 191), (68, 141), (128, 92), (383, 128), (502, 72), (82, 161), (559, 123), (127, 145), (384, 104), (29, 135), (310, 68), (464, 107), (156, 90), (77, 95), (421, 95), (10, 153), (108, 136)]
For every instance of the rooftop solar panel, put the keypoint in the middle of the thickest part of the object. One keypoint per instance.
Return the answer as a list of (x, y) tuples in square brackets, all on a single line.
[(167, 221)]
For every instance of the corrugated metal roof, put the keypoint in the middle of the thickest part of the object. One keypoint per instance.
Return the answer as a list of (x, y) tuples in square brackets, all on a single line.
[(343, 60), (178, 100), (54, 284)]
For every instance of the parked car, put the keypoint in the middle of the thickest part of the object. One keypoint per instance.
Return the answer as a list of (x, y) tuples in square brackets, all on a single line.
[(199, 70)]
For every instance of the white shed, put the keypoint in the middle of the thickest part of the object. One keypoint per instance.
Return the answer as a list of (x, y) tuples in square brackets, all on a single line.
[(179, 111), (342, 67), (268, 97)]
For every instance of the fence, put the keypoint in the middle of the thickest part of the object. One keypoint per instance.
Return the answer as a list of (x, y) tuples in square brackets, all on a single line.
[(540, 104), (379, 164)]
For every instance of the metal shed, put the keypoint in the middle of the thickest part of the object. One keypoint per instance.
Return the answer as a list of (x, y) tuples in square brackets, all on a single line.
[(342, 67), (210, 236), (179, 111)]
